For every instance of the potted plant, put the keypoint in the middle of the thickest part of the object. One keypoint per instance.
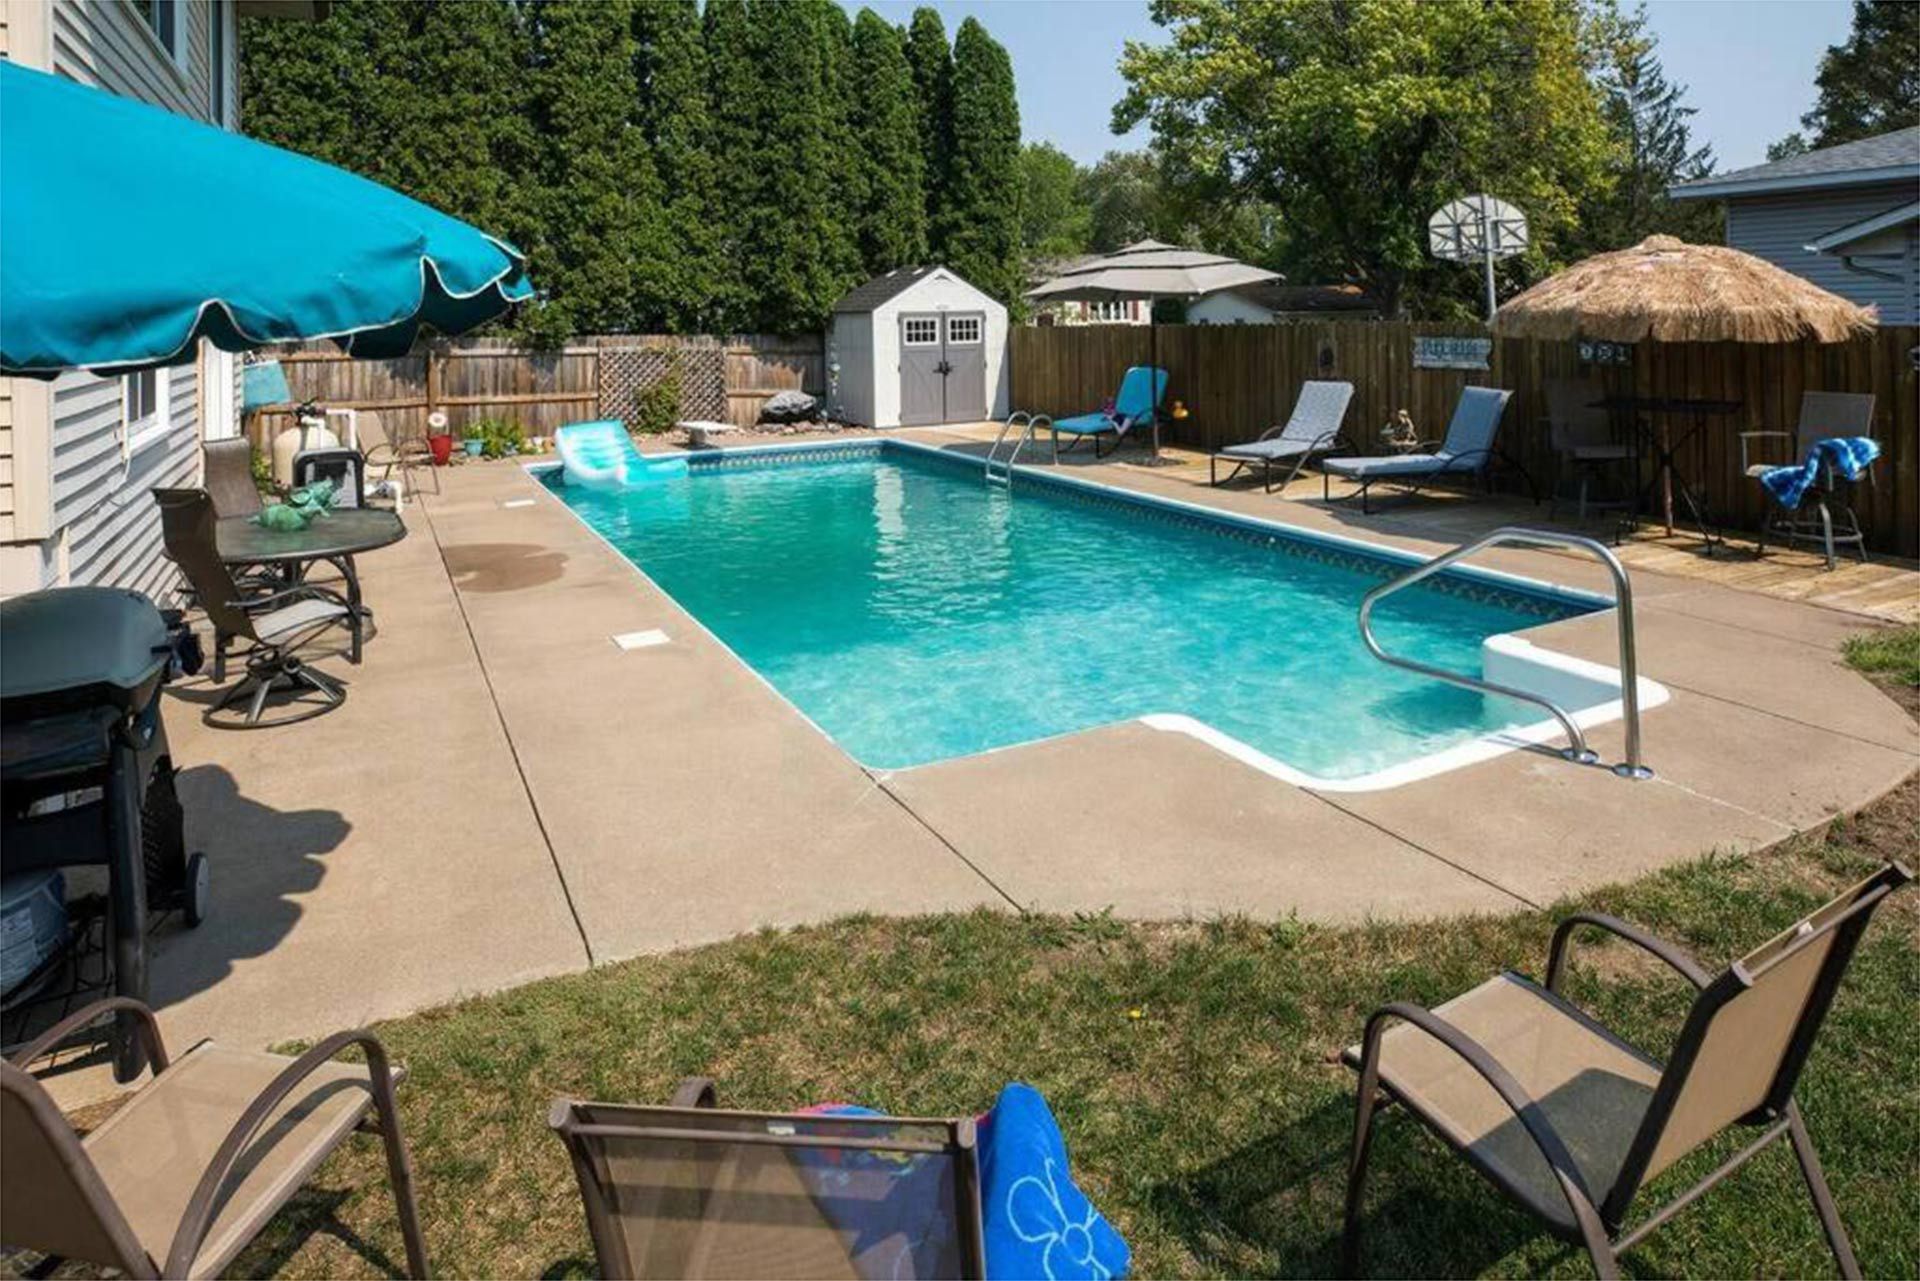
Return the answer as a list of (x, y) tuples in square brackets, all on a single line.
[(439, 439), (474, 439)]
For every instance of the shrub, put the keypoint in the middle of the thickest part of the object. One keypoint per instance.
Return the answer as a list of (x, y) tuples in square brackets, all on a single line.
[(656, 407), (499, 438)]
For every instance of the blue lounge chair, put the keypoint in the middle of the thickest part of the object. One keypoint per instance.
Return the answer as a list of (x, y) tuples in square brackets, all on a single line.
[(1465, 456), (1313, 429), (1133, 407)]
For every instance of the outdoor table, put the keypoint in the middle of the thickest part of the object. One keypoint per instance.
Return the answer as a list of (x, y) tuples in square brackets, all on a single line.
[(1642, 411), (336, 538)]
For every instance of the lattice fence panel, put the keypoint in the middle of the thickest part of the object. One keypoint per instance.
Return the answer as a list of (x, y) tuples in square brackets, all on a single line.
[(626, 372)]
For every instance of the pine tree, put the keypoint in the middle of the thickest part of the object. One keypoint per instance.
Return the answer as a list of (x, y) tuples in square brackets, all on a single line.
[(931, 62), (734, 97), (846, 193), (984, 182), (1871, 84), (1648, 117), (678, 126), (885, 138)]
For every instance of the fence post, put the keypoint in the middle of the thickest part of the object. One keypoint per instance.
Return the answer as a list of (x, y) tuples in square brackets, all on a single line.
[(433, 378)]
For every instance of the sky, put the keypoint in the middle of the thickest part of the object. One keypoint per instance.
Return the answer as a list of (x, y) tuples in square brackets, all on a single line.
[(1748, 64)]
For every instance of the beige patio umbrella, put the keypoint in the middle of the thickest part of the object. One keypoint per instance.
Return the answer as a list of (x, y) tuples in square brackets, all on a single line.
[(1151, 270), (1666, 290)]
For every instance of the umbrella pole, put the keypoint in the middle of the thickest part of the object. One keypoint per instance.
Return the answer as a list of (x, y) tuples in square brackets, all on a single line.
[(1153, 379)]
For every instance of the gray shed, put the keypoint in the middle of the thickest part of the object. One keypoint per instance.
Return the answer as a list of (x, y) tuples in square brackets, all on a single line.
[(915, 347)]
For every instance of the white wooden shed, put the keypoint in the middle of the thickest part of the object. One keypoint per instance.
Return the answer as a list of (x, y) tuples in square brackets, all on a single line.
[(917, 346)]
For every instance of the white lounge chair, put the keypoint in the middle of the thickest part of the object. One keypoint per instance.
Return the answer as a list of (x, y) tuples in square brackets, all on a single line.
[(1313, 429)]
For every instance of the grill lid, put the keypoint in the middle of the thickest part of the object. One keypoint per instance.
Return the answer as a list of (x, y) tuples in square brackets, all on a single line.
[(73, 637)]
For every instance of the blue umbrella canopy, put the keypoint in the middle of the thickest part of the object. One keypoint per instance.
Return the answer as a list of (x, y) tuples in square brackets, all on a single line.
[(127, 233)]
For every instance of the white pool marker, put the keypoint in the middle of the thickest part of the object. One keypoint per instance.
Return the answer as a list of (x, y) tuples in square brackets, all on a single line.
[(518, 502), (641, 640)]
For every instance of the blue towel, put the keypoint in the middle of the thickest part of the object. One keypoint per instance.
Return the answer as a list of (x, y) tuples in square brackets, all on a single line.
[(1038, 1224), (1849, 455)]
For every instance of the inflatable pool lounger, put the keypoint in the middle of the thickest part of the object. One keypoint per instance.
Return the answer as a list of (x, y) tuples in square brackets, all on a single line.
[(601, 455)]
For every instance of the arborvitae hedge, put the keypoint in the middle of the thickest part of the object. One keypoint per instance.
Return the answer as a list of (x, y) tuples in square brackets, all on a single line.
[(983, 175), (886, 136)]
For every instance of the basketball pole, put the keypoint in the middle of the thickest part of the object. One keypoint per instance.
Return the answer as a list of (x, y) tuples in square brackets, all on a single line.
[(1486, 253)]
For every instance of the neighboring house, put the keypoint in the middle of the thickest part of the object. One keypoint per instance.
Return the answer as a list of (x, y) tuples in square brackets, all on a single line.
[(1847, 218), (1275, 302), (78, 454)]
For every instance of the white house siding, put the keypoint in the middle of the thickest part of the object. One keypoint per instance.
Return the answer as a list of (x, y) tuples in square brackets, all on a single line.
[(1779, 227), (1227, 308), (99, 524)]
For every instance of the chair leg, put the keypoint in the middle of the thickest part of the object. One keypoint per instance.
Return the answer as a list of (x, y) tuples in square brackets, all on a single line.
[(400, 1175), (1826, 535), (1364, 1103), (1822, 1195)]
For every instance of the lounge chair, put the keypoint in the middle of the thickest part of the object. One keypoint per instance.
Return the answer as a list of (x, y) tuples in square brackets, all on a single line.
[(1313, 429), (190, 1168), (1465, 456), (1832, 522), (692, 1191), (1571, 1121), (1135, 406)]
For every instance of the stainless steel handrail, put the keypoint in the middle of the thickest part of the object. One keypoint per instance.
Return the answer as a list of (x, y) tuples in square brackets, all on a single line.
[(1577, 750), (1030, 424)]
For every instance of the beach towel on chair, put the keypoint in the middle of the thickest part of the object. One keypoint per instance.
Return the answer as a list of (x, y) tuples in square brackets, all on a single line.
[(1037, 1223), (1848, 455)]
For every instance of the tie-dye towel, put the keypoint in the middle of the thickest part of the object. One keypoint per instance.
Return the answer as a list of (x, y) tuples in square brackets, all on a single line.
[(1848, 455)]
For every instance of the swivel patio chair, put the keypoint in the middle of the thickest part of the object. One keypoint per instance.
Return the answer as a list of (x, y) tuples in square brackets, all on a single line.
[(1313, 428), (406, 452), (277, 623), (692, 1191), (1571, 1121), (1833, 523), (1585, 448), (1141, 389), (188, 1171), (1465, 457)]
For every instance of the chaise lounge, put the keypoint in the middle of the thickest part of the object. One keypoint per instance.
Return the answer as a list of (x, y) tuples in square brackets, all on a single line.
[(1465, 456), (1314, 428), (1133, 407)]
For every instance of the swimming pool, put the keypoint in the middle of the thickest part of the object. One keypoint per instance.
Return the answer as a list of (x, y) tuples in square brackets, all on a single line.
[(916, 614)]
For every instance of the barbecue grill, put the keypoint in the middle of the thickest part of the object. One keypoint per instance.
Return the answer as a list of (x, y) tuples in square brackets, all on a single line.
[(85, 774)]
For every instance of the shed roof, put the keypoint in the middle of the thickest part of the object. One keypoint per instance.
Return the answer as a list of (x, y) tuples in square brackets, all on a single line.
[(1887, 157), (872, 294)]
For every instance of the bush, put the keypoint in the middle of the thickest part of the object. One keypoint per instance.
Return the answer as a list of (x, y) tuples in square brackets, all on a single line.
[(656, 407), (499, 438)]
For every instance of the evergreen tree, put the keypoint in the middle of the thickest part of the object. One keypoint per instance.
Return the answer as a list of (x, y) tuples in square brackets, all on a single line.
[(734, 97), (1871, 84), (1649, 122), (885, 138), (846, 194), (931, 62), (983, 205), (678, 127)]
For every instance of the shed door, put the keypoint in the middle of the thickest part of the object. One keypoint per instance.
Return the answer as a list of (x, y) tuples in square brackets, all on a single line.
[(966, 354), (923, 370)]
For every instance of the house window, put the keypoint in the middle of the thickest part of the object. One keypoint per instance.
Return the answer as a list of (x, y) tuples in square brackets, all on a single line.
[(1111, 312), (963, 330), (144, 409), (923, 331), (164, 19), (217, 63)]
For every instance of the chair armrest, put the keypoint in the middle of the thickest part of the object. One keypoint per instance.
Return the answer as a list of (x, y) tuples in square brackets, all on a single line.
[(143, 1016), (1679, 961), (695, 1092), (1746, 437), (1526, 1111), (207, 1199)]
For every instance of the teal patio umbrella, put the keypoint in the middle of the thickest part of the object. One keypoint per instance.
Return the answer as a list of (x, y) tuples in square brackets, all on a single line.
[(127, 233)]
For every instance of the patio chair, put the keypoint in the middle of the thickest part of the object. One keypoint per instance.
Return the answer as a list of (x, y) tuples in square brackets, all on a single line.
[(1585, 447), (1141, 390), (189, 1169), (228, 470), (1571, 1121), (1466, 455), (384, 453), (692, 1191), (1314, 428), (1822, 414), (276, 623)]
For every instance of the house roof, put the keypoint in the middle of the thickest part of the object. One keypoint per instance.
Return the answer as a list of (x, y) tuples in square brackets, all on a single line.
[(1866, 228), (872, 294), (1298, 299), (1887, 157)]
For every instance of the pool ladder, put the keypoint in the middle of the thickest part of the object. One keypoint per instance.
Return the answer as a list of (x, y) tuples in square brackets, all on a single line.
[(1000, 470), (1577, 749)]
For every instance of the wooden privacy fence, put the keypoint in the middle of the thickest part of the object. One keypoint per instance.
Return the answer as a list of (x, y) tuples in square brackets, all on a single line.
[(1239, 380), (492, 378)]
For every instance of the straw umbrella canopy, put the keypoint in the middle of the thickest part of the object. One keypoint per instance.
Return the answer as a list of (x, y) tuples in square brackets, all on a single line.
[(1151, 270), (1666, 290)]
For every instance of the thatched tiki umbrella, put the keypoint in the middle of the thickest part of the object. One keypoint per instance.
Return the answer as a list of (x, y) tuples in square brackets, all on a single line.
[(1666, 290)]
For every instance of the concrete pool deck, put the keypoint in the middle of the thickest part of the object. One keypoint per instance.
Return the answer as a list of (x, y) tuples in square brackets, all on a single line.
[(507, 794)]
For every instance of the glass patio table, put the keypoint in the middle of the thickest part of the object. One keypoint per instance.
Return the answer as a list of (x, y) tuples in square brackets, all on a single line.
[(335, 538)]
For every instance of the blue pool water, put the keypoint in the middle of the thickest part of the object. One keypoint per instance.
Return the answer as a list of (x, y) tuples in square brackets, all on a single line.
[(916, 614)]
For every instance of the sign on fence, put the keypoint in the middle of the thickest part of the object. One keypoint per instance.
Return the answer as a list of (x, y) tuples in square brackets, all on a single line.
[(1595, 352), (1434, 352)]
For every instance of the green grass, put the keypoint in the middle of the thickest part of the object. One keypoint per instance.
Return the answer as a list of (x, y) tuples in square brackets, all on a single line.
[(1893, 653), (1192, 1066)]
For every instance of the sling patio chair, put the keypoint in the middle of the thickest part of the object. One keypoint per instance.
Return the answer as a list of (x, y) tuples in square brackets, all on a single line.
[(1585, 448), (384, 454), (1314, 428), (1466, 456), (229, 477), (1141, 390), (1571, 1121), (189, 1169), (1823, 414), (694, 1191)]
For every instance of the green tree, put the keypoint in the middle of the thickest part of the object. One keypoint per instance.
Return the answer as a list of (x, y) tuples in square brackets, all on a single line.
[(734, 97), (1054, 220), (1354, 121), (1654, 150), (845, 196), (983, 188), (1869, 85), (931, 61), (1122, 194), (672, 84), (893, 221)]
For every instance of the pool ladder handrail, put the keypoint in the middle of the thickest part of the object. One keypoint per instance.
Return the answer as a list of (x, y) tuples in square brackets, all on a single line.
[(1000, 472), (1513, 535)]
